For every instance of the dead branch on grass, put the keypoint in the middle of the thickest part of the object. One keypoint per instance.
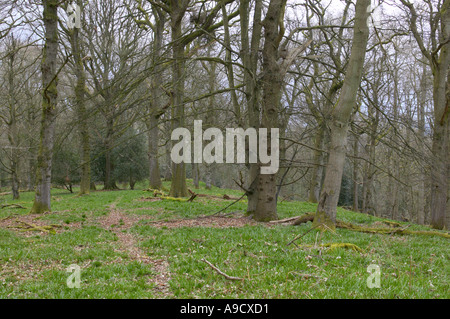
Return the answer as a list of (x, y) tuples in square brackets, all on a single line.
[(221, 272)]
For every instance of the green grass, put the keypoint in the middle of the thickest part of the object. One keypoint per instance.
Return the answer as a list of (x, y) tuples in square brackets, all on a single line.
[(34, 266)]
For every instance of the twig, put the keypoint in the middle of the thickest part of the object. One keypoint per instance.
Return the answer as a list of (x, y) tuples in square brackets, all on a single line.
[(221, 272), (304, 276), (300, 236), (237, 200)]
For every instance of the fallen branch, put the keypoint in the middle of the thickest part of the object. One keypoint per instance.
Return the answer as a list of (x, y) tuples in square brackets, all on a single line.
[(304, 276), (308, 217), (193, 195), (282, 221), (221, 272), (300, 236), (32, 227), (333, 246), (371, 230), (13, 206)]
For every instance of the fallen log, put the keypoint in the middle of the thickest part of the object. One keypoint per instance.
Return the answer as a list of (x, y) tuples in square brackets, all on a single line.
[(394, 228)]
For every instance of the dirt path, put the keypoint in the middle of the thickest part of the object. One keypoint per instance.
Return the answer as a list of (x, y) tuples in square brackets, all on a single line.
[(117, 222)]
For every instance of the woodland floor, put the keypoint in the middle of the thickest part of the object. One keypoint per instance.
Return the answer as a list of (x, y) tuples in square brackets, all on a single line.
[(142, 244)]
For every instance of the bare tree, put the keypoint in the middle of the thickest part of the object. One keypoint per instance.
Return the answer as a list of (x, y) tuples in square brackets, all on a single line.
[(438, 56), (42, 200), (326, 210)]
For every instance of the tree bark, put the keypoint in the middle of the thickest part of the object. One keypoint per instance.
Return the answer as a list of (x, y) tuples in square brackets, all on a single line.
[(421, 132), (355, 206), (42, 200), (109, 182), (317, 171), (155, 105), (326, 209), (85, 183), (12, 122), (178, 187), (441, 141), (249, 55), (272, 79)]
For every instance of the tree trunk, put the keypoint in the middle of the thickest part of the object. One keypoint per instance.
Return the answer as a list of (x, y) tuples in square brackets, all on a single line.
[(42, 200), (441, 161), (266, 207), (249, 55), (196, 175), (12, 123), (355, 207), (82, 114), (317, 171), (326, 209), (421, 133), (178, 187), (109, 182), (155, 105), (153, 139), (210, 117), (439, 60)]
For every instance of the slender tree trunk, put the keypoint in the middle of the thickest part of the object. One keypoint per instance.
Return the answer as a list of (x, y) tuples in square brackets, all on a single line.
[(439, 60), (85, 183), (196, 175), (42, 201), (326, 209), (249, 55), (317, 171), (229, 66), (168, 170), (12, 123), (109, 182), (355, 207), (210, 115), (371, 152), (153, 139), (155, 105), (421, 133), (440, 162)]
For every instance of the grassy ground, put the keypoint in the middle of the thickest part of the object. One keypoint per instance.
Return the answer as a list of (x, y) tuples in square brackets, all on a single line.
[(127, 244)]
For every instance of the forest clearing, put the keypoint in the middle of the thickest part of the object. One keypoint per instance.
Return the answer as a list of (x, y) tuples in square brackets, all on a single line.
[(133, 244)]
